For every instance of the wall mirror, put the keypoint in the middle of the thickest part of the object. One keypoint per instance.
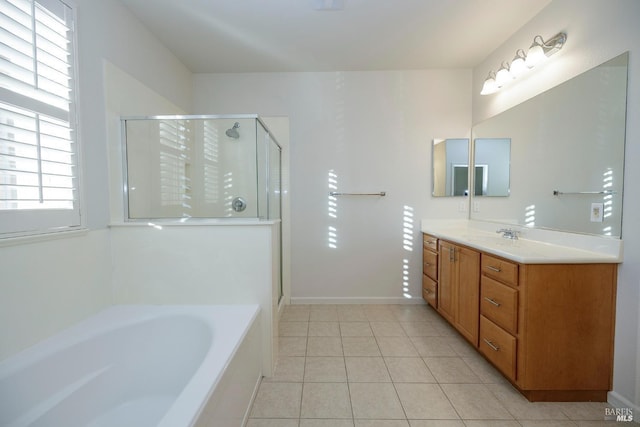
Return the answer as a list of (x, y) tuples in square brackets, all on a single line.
[(491, 160), (567, 155), (450, 166)]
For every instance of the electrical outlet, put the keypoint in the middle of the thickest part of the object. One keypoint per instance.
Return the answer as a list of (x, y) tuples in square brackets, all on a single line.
[(597, 214), (462, 207), (476, 206)]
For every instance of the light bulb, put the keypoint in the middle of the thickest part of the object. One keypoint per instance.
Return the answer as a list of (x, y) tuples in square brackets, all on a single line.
[(489, 85), (503, 76), (518, 66), (536, 53)]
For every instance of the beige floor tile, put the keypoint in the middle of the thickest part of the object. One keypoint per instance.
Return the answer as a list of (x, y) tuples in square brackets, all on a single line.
[(288, 369), (324, 307), (491, 423), (425, 401), (277, 400), (408, 370), (360, 346), (296, 309), (585, 411), (367, 369), (295, 316), (325, 369), (257, 422), (436, 423), (292, 346), (352, 313), (396, 347), (326, 400), (475, 402), (324, 346), (597, 423), (380, 316), (550, 423), (375, 401), (419, 329), (325, 423), (433, 346), (451, 370), (356, 316), (521, 408), (410, 313), (382, 423), (355, 329), (324, 329), (293, 329), (461, 346), (387, 329), (484, 370), (431, 315), (324, 315), (445, 329)]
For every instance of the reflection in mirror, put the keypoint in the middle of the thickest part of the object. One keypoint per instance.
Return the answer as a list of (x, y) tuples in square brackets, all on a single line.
[(567, 155), (491, 162), (450, 166)]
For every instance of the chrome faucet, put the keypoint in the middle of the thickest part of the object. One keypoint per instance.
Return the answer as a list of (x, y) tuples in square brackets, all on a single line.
[(508, 233)]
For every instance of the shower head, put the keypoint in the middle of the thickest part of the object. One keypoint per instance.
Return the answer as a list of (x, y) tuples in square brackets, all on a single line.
[(233, 132)]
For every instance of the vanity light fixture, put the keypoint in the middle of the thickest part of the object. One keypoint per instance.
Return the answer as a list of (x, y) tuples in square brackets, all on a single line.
[(538, 52)]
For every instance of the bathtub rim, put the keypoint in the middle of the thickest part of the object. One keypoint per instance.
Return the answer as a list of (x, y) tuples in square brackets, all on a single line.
[(190, 402)]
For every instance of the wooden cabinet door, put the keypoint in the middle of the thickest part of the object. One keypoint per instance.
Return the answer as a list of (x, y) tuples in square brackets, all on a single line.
[(446, 281), (467, 262)]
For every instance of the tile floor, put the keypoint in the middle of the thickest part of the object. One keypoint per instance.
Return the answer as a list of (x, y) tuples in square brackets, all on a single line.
[(392, 366)]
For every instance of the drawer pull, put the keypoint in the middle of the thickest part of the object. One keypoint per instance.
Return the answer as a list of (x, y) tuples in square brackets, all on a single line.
[(492, 301), (426, 291), (492, 345), (492, 268), (429, 242)]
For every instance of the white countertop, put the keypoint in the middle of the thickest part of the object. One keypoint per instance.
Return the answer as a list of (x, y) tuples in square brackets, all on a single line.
[(533, 246)]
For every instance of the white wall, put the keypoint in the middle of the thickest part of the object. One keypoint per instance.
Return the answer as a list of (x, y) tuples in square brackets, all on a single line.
[(373, 130), (109, 33), (49, 284), (597, 31)]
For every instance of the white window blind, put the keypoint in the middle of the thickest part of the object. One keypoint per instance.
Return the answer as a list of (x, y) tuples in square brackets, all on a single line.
[(38, 149)]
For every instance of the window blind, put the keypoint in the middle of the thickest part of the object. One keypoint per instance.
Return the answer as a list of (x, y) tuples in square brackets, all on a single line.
[(38, 149)]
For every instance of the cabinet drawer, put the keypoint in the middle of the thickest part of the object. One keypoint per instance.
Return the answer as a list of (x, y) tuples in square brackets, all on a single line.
[(430, 242), (500, 269), (430, 291), (499, 347), (430, 264), (499, 303)]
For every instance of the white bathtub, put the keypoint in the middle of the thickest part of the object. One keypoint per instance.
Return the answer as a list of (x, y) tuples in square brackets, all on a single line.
[(138, 366)]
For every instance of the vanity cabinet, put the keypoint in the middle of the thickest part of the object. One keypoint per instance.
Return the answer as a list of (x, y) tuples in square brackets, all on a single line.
[(430, 269), (459, 288), (548, 328)]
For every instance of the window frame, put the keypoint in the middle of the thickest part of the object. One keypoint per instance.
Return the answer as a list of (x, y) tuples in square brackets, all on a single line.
[(47, 222)]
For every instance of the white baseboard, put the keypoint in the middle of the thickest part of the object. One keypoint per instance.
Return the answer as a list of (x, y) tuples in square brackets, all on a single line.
[(355, 300)]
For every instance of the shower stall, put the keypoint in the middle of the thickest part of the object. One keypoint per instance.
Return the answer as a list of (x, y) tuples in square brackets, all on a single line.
[(200, 167)]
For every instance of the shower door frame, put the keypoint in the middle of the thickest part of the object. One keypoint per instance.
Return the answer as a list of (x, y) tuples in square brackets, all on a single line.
[(125, 177)]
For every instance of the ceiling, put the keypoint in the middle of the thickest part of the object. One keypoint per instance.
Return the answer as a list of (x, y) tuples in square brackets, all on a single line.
[(220, 36)]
